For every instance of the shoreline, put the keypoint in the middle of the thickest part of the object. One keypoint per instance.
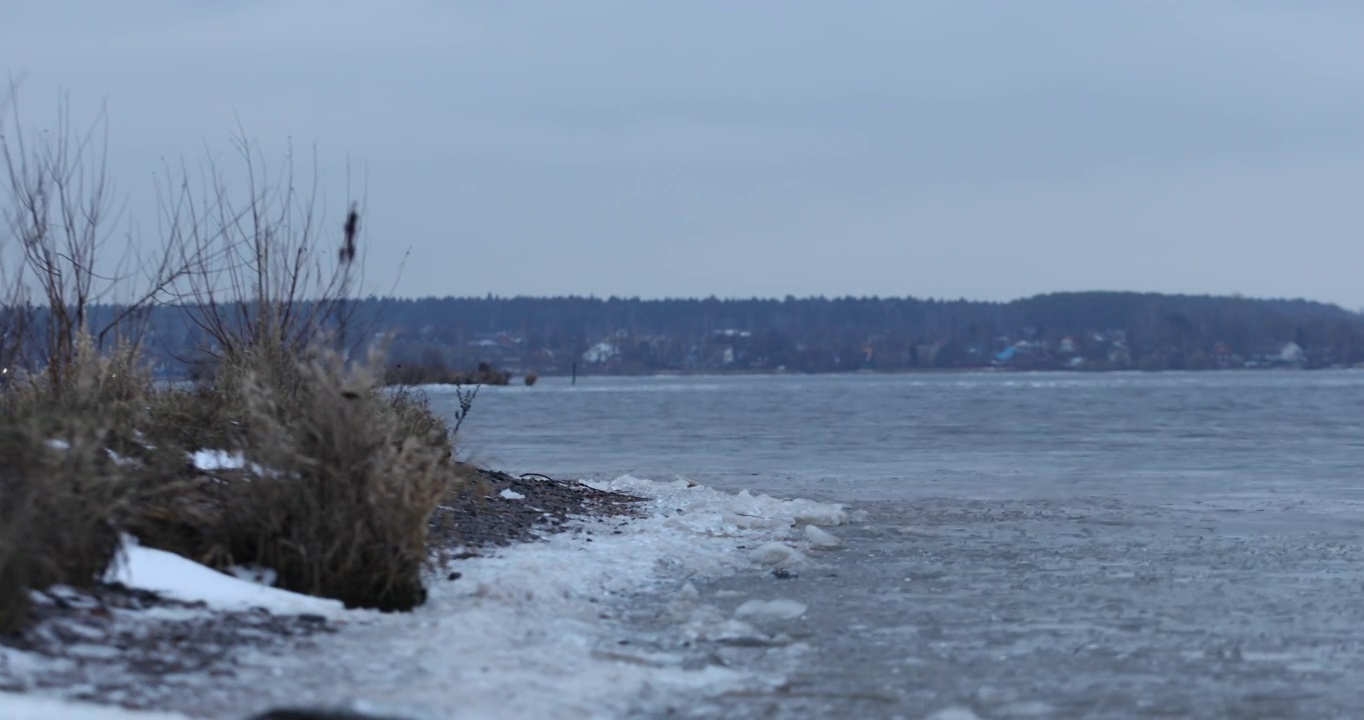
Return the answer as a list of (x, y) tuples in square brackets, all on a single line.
[(107, 647), (930, 372), (539, 626)]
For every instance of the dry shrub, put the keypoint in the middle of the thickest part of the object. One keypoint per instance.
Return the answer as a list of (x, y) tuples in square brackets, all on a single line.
[(342, 480), (411, 410), (349, 481), (64, 488), (56, 496)]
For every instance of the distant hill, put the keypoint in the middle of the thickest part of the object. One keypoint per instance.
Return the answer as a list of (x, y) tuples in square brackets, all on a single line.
[(1081, 330)]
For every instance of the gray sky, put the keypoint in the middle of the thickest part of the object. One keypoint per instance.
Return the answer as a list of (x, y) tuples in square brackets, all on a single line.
[(956, 148)]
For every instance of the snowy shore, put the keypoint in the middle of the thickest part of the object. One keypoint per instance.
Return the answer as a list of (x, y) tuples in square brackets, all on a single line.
[(538, 629)]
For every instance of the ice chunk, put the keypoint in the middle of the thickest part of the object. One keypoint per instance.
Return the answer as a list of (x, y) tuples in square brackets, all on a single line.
[(775, 553), (182, 579), (688, 593), (770, 610), (820, 538), (510, 494), (684, 604), (806, 512)]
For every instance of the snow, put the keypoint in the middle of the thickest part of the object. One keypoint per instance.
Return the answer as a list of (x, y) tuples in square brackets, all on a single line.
[(510, 494), (213, 460), (15, 706), (209, 460), (533, 631), (181, 579), (254, 574)]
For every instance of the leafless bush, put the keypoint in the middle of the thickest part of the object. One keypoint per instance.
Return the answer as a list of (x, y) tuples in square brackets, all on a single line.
[(265, 275), (60, 215)]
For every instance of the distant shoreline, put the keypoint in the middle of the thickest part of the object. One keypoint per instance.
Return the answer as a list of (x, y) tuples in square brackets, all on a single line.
[(937, 371)]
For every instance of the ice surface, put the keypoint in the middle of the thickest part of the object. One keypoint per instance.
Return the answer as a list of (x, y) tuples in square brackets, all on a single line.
[(532, 631), (510, 494), (14, 706), (535, 631), (179, 578)]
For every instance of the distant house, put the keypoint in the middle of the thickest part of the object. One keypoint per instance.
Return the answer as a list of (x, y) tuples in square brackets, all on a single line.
[(1292, 354), (600, 353), (732, 333)]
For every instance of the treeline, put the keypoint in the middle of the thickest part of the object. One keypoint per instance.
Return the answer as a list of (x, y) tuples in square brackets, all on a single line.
[(1093, 330)]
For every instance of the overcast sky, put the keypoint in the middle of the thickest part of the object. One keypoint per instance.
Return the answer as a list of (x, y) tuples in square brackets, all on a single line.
[(959, 148)]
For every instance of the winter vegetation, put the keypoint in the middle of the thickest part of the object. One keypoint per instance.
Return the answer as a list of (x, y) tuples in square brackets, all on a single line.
[(332, 478)]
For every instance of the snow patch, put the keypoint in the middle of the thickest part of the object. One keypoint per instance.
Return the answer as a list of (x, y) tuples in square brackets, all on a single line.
[(510, 494), (119, 460), (210, 460), (178, 578), (217, 460), (255, 574)]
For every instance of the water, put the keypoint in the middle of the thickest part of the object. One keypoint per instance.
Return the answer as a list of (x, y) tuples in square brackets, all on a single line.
[(1034, 545)]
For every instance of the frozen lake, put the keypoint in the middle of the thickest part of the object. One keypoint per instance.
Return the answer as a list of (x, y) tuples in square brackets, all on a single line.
[(1173, 545)]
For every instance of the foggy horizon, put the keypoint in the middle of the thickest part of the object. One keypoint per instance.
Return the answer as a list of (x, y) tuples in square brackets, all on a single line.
[(936, 150)]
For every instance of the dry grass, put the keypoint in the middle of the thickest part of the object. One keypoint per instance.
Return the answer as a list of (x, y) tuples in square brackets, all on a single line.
[(350, 482), (351, 475), (54, 510), (65, 485), (89, 448)]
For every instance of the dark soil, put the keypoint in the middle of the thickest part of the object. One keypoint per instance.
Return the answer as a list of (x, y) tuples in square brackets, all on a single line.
[(108, 646), (472, 520)]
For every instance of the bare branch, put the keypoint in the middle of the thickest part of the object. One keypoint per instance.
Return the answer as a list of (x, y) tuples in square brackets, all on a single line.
[(263, 277), (60, 212)]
